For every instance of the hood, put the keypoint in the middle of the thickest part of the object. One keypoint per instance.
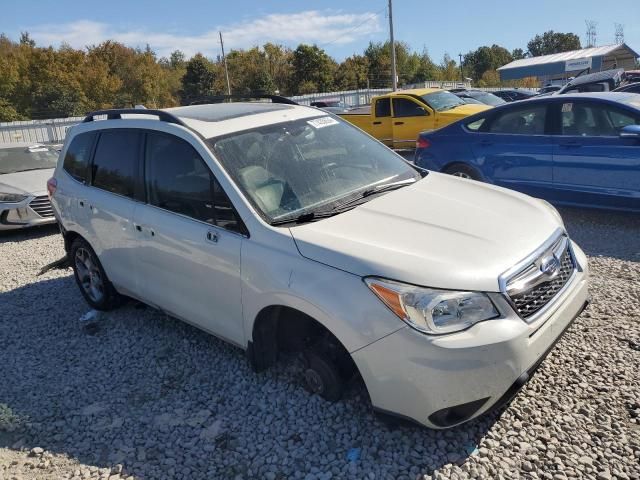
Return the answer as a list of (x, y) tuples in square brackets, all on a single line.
[(442, 232), (462, 111), (33, 182)]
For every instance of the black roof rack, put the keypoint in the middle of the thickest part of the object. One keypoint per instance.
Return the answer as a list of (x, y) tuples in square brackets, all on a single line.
[(118, 112), (250, 96)]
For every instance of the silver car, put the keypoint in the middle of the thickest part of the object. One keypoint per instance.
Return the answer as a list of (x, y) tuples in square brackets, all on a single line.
[(24, 171)]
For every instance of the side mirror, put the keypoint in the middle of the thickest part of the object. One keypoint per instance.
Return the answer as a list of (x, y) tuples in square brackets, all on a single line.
[(630, 131)]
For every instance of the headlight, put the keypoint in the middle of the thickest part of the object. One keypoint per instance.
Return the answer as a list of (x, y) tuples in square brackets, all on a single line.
[(11, 198), (433, 311)]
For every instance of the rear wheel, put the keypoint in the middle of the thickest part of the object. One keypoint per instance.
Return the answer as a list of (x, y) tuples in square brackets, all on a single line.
[(94, 285), (463, 171)]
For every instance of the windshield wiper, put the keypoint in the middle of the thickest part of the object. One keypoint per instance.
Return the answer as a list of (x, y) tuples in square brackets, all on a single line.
[(308, 217), (385, 187), (344, 206)]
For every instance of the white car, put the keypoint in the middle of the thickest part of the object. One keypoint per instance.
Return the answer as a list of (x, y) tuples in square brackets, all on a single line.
[(280, 227), (24, 170)]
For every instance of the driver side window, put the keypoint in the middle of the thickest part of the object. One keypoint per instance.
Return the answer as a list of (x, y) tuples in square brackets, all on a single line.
[(594, 120), (403, 107), (178, 180)]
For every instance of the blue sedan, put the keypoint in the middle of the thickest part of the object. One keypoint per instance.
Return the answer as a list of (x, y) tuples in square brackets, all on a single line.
[(576, 149)]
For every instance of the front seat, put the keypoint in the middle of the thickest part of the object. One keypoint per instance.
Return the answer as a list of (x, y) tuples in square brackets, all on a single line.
[(265, 190)]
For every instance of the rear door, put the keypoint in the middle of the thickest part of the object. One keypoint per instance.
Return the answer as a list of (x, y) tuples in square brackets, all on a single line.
[(409, 119), (381, 121), (592, 163), (190, 239), (109, 205), (515, 148)]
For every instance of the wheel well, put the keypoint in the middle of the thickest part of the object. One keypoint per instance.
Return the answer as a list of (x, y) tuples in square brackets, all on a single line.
[(69, 238), (285, 329)]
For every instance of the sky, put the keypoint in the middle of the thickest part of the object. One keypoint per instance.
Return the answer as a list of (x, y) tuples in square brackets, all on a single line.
[(342, 28)]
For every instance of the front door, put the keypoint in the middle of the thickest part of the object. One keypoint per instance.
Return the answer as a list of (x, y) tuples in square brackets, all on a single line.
[(189, 255), (516, 148), (592, 163), (409, 119)]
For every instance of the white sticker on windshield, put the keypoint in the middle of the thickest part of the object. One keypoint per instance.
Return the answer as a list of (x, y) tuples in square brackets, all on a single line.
[(322, 122), (38, 149), (567, 107)]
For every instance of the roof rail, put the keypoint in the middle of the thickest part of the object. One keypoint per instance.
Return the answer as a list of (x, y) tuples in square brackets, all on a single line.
[(250, 96), (117, 113)]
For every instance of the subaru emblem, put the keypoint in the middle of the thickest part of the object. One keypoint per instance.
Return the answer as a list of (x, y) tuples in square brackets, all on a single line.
[(550, 266)]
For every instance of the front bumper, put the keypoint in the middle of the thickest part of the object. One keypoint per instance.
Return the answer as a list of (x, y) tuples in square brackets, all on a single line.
[(31, 212), (444, 381)]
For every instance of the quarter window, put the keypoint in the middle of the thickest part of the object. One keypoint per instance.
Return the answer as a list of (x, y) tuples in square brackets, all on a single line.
[(76, 160), (115, 161), (476, 124), (403, 107), (521, 121), (178, 180)]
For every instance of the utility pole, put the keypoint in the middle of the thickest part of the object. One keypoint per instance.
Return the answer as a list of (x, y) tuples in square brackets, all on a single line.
[(224, 61), (461, 72), (394, 76)]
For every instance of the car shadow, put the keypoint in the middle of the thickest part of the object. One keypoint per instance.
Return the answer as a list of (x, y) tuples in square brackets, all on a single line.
[(155, 395), (28, 233), (604, 233)]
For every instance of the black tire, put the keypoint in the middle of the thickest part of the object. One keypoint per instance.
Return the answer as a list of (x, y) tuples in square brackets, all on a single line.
[(463, 171), (91, 278), (322, 377)]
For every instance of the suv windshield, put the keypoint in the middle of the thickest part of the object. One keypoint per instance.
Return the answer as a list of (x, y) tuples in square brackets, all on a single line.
[(440, 101), (307, 166), (21, 159)]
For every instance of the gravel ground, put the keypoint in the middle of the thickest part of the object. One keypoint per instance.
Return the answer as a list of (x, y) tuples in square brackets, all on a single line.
[(146, 396)]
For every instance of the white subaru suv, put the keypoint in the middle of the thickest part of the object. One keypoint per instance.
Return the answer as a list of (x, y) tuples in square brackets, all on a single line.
[(280, 227)]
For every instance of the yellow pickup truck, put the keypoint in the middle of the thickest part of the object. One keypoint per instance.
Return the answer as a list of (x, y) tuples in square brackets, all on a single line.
[(397, 118)]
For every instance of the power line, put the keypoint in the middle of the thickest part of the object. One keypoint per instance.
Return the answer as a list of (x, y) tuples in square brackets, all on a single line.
[(369, 17)]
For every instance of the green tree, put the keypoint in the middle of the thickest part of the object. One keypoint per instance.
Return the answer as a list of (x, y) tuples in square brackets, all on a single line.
[(352, 73), (198, 79), (312, 66), (518, 54), (485, 58), (553, 42), (448, 70)]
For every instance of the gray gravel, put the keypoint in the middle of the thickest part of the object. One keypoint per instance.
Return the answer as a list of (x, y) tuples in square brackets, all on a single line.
[(137, 394)]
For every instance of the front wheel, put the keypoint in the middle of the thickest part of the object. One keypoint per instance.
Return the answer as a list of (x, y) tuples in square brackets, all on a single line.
[(463, 171), (322, 377), (94, 285)]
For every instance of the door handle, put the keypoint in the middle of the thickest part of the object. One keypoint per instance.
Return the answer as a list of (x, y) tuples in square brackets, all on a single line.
[(81, 202), (398, 123), (212, 237), (138, 228), (377, 123)]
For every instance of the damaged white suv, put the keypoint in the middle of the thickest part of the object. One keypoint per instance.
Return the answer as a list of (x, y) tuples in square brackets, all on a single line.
[(283, 228)]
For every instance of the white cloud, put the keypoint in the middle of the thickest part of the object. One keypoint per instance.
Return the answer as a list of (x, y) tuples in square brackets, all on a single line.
[(311, 26)]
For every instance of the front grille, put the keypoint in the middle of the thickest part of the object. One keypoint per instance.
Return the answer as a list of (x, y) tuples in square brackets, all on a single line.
[(528, 300), (42, 206)]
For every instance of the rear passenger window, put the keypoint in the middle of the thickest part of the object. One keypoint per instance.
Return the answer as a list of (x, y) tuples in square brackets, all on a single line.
[(115, 161), (383, 107), (76, 160), (178, 180)]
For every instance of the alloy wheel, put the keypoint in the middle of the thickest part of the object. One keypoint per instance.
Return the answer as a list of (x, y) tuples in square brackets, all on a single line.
[(89, 275)]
